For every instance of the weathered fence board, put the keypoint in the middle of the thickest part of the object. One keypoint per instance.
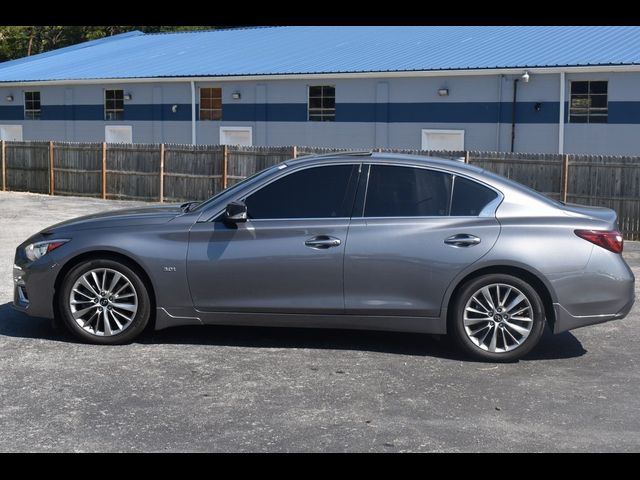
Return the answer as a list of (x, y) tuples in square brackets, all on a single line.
[(188, 172), (540, 171), (133, 171), (77, 168), (27, 166), (245, 161), (192, 172)]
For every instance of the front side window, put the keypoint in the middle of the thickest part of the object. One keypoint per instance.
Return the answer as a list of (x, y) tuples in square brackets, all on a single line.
[(113, 105), (210, 104), (322, 103), (319, 192), (469, 198), (32, 105), (407, 192), (589, 102)]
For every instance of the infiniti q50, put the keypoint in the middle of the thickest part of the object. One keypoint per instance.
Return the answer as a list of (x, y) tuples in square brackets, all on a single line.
[(356, 241)]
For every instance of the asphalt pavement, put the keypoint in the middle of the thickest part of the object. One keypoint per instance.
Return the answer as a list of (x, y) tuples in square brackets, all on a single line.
[(235, 389)]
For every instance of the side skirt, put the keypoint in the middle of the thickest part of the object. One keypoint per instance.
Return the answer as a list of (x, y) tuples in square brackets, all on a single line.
[(174, 317)]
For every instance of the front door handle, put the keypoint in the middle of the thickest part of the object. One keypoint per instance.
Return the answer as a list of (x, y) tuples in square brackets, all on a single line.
[(322, 242), (462, 240)]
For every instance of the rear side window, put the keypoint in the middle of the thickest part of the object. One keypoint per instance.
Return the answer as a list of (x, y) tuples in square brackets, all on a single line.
[(319, 192), (407, 192), (469, 198)]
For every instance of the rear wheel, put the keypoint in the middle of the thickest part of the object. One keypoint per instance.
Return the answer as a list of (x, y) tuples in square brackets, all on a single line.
[(497, 317), (104, 301)]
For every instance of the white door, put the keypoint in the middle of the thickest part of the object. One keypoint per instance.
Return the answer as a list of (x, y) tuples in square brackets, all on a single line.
[(443, 140), (11, 133), (118, 134), (241, 136)]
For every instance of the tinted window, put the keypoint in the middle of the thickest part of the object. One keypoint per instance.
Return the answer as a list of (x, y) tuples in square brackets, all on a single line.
[(469, 198), (406, 192), (321, 192)]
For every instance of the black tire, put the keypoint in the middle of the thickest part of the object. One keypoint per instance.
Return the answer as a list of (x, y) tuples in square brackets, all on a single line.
[(137, 325), (456, 328)]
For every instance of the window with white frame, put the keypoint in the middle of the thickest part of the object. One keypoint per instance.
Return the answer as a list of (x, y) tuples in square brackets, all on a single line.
[(32, 105), (322, 103), (211, 104), (113, 105), (589, 102)]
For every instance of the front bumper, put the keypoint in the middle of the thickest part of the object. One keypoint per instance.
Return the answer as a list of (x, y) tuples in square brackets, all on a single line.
[(33, 285)]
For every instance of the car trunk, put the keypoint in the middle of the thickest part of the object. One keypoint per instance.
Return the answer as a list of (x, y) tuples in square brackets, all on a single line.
[(597, 213)]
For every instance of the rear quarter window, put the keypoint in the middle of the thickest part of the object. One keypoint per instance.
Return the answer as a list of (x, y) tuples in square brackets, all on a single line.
[(469, 198)]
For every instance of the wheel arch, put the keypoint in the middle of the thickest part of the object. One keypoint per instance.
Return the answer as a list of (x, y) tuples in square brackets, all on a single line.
[(535, 279), (106, 255)]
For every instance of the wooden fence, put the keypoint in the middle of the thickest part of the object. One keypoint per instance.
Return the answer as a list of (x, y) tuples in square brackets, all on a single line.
[(176, 173)]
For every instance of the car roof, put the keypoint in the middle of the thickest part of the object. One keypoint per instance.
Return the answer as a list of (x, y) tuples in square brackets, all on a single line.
[(383, 157)]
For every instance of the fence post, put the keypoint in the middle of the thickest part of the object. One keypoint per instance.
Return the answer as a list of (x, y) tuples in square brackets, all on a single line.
[(104, 170), (161, 172), (51, 171), (225, 165), (4, 165), (565, 177), (466, 156), (294, 152)]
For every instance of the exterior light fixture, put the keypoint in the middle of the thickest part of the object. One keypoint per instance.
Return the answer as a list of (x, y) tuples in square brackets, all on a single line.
[(525, 77), (537, 107), (443, 92), (127, 96), (174, 108), (236, 95), (9, 98)]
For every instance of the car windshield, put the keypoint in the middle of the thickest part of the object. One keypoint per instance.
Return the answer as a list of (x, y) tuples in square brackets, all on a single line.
[(265, 172)]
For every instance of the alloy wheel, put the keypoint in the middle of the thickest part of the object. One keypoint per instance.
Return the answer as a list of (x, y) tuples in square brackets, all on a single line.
[(103, 302), (498, 318)]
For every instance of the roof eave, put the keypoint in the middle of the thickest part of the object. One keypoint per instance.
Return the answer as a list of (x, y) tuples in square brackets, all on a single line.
[(340, 75)]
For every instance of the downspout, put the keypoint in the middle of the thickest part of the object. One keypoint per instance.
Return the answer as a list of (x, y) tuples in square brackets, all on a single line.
[(499, 121), (561, 119), (513, 113), (193, 112)]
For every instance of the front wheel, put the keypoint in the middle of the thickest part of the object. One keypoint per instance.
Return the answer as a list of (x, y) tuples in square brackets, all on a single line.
[(497, 317), (104, 301)]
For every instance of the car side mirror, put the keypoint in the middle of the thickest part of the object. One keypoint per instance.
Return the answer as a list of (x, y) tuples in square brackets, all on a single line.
[(236, 212)]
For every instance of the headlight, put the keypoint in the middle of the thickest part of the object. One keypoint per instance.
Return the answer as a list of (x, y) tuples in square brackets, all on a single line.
[(40, 249)]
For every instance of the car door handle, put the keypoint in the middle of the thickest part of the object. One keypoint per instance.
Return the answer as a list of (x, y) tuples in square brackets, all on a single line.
[(322, 241), (462, 240)]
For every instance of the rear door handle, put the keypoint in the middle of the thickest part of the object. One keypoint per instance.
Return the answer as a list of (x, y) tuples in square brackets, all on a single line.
[(462, 240), (322, 242)]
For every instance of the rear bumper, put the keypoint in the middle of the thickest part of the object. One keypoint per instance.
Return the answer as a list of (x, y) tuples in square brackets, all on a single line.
[(565, 321)]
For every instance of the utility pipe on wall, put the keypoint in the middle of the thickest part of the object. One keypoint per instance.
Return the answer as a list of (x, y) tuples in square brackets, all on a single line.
[(193, 112), (561, 119), (513, 113), (499, 120)]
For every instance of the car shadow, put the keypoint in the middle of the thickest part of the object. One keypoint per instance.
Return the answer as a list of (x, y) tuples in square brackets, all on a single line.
[(565, 345)]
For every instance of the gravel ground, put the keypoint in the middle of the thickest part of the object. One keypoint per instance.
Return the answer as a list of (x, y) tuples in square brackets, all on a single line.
[(225, 389)]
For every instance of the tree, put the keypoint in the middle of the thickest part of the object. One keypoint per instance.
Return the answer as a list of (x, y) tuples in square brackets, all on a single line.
[(22, 41)]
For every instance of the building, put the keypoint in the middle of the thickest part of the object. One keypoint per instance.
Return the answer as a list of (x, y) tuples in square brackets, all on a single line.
[(526, 89)]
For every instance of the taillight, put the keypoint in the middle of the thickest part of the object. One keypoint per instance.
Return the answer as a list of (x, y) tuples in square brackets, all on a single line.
[(610, 239)]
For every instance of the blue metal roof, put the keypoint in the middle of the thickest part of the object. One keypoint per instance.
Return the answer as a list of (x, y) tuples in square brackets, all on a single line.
[(331, 49)]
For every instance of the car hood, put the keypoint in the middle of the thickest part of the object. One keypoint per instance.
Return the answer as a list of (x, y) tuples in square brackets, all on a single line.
[(118, 218)]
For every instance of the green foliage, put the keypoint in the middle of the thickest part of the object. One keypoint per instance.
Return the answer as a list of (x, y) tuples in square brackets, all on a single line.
[(21, 41)]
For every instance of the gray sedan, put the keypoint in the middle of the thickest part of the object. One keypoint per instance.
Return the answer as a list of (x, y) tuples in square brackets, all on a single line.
[(357, 241)]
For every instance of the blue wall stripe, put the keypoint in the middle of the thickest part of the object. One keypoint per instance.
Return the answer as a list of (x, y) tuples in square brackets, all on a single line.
[(12, 112), (435, 112)]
